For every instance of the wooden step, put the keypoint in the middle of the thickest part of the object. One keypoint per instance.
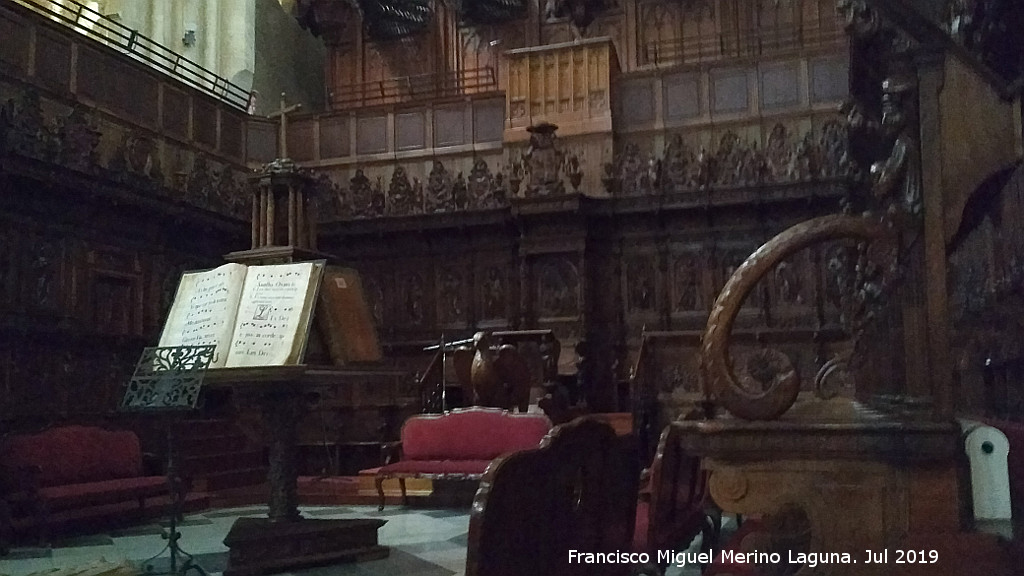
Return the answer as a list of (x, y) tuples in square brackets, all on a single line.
[(206, 465), (217, 481), (111, 516), (204, 428), (253, 495), (216, 444)]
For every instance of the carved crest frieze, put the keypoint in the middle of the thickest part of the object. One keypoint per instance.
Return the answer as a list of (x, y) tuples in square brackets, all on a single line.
[(544, 162), (441, 192), (27, 130), (78, 140), (402, 198), (733, 162)]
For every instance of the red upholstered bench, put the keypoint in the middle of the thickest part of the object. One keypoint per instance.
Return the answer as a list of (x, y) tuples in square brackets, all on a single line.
[(457, 445), (70, 469)]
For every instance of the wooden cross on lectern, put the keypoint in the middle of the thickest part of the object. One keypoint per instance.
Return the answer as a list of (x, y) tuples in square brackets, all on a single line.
[(283, 111)]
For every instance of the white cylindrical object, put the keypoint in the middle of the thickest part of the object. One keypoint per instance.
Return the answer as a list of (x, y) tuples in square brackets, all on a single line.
[(987, 449)]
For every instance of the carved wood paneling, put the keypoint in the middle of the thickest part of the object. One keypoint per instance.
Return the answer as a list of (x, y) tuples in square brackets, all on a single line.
[(558, 288)]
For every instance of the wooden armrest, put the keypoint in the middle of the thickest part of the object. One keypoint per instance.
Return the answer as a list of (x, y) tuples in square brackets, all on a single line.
[(390, 452), (152, 464), (20, 480)]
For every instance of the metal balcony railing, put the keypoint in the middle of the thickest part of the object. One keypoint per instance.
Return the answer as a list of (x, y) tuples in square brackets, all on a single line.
[(92, 24)]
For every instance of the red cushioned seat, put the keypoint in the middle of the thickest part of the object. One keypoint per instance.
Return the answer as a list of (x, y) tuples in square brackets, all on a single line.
[(439, 467), (641, 526), (74, 470), (749, 537), (460, 443), (103, 492)]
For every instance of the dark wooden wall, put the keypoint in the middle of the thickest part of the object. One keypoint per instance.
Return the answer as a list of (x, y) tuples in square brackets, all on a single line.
[(600, 270), (113, 181)]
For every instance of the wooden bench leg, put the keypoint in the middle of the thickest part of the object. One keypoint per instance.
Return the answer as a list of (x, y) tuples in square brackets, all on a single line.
[(379, 481), (405, 497), (5, 528)]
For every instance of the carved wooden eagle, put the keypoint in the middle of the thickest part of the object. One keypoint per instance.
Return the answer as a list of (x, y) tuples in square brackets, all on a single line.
[(497, 375)]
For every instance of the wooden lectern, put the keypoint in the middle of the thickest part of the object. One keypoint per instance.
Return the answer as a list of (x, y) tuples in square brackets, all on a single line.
[(284, 231)]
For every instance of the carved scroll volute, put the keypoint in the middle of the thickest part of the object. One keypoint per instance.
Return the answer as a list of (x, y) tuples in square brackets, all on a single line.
[(720, 381)]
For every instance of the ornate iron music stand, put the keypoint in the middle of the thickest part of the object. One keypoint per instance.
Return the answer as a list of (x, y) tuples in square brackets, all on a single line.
[(169, 379)]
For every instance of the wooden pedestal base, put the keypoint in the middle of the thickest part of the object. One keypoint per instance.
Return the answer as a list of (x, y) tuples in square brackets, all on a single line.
[(262, 546)]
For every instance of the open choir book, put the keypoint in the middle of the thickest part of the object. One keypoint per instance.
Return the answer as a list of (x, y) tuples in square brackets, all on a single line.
[(255, 315)]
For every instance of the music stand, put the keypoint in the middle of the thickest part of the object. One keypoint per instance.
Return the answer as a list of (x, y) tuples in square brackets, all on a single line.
[(168, 379)]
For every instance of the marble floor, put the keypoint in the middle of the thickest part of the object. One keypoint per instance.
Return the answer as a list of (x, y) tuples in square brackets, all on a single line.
[(423, 543)]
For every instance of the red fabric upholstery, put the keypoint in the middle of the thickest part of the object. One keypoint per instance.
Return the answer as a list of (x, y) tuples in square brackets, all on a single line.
[(641, 527), (471, 434), (467, 467), (75, 454), (750, 536), (103, 492)]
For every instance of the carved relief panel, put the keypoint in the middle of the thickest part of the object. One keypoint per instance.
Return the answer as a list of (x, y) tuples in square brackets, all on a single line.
[(9, 248), (377, 286), (687, 267), (494, 293), (558, 289), (415, 299), (792, 293), (452, 302), (640, 284), (115, 297), (46, 271)]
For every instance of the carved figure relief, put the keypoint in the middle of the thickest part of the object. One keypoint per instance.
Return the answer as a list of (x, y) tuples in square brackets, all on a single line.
[(439, 189), (78, 139), (897, 179), (686, 283), (8, 276), (493, 292), (451, 307), (378, 200), (678, 167), (28, 131), (734, 162), (558, 285), (375, 298), (414, 299), (402, 197), (479, 185), (360, 193), (460, 195), (789, 285), (42, 281), (641, 281)]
